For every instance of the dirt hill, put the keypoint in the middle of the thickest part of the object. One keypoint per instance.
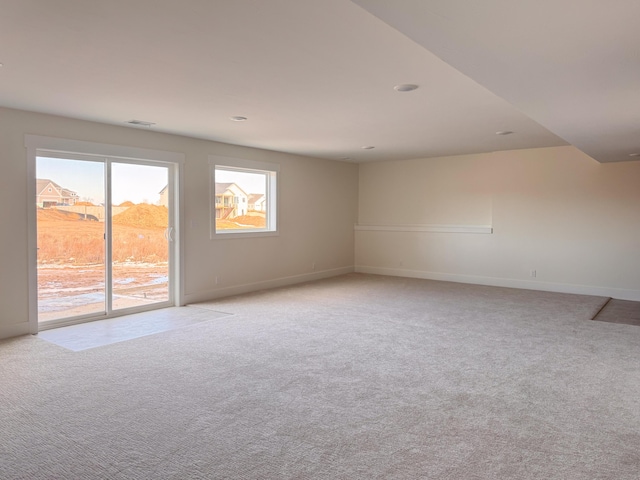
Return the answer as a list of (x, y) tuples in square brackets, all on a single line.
[(143, 215), (258, 221), (45, 215)]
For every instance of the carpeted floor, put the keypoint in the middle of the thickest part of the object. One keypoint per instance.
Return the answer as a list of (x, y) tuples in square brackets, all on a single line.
[(356, 377)]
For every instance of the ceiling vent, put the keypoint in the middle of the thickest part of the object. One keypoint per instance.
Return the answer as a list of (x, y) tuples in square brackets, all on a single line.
[(140, 123)]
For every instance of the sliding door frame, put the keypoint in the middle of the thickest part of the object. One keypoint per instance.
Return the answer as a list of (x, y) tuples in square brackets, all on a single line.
[(76, 149)]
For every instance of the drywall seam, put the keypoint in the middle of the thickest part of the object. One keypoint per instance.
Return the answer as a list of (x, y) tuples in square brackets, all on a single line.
[(426, 228)]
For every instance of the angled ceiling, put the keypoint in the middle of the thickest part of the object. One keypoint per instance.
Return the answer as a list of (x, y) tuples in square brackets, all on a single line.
[(571, 65), (316, 77)]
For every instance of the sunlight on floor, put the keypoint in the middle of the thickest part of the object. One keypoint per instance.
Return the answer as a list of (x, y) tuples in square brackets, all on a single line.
[(113, 330)]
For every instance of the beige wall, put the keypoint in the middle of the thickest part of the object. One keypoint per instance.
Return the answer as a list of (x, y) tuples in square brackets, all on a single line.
[(317, 211), (553, 210)]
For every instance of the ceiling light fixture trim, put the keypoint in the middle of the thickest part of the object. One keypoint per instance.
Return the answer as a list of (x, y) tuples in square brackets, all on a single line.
[(238, 118), (504, 132)]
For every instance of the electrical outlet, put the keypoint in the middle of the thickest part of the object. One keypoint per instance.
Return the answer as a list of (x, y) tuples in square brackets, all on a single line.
[(313, 265), (216, 280), (534, 273)]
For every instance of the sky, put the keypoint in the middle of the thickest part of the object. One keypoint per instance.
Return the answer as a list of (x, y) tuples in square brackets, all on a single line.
[(134, 183), (130, 182), (249, 182)]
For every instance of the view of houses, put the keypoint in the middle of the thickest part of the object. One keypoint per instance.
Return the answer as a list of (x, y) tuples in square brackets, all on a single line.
[(232, 201), (50, 194)]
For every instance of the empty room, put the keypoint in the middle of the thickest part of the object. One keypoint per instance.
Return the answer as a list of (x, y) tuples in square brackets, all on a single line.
[(337, 239)]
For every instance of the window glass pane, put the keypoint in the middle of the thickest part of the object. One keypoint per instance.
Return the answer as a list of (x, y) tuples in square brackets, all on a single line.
[(244, 202), (140, 235), (71, 238), (243, 197)]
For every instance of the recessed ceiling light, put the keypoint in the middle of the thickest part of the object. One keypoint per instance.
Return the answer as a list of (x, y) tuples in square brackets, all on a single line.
[(238, 118), (344, 158), (405, 87), (504, 132), (368, 147), (634, 154), (140, 123)]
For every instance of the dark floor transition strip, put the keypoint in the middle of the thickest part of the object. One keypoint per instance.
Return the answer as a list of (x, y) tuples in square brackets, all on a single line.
[(601, 308), (620, 311)]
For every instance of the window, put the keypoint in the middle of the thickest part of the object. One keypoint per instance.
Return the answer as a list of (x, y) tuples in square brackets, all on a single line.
[(234, 183)]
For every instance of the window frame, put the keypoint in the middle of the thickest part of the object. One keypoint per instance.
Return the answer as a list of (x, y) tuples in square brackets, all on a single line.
[(85, 150), (272, 174)]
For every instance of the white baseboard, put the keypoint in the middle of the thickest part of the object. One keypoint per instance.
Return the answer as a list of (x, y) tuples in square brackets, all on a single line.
[(15, 330), (617, 293), (263, 285)]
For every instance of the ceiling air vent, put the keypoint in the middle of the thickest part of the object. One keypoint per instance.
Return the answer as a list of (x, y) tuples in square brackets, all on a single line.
[(140, 123)]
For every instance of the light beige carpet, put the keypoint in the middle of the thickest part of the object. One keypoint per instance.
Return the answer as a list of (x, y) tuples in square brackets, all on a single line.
[(357, 377)]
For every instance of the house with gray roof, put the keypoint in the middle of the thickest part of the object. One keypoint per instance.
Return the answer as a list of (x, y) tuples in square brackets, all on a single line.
[(50, 194), (231, 200)]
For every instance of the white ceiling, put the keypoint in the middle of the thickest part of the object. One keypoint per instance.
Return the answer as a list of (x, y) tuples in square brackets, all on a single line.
[(571, 65), (316, 77)]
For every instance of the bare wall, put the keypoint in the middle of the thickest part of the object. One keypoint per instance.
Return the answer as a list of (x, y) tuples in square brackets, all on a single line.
[(574, 221), (318, 207)]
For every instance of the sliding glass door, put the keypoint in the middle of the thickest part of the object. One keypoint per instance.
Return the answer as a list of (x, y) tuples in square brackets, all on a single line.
[(104, 236), (140, 235), (71, 238)]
